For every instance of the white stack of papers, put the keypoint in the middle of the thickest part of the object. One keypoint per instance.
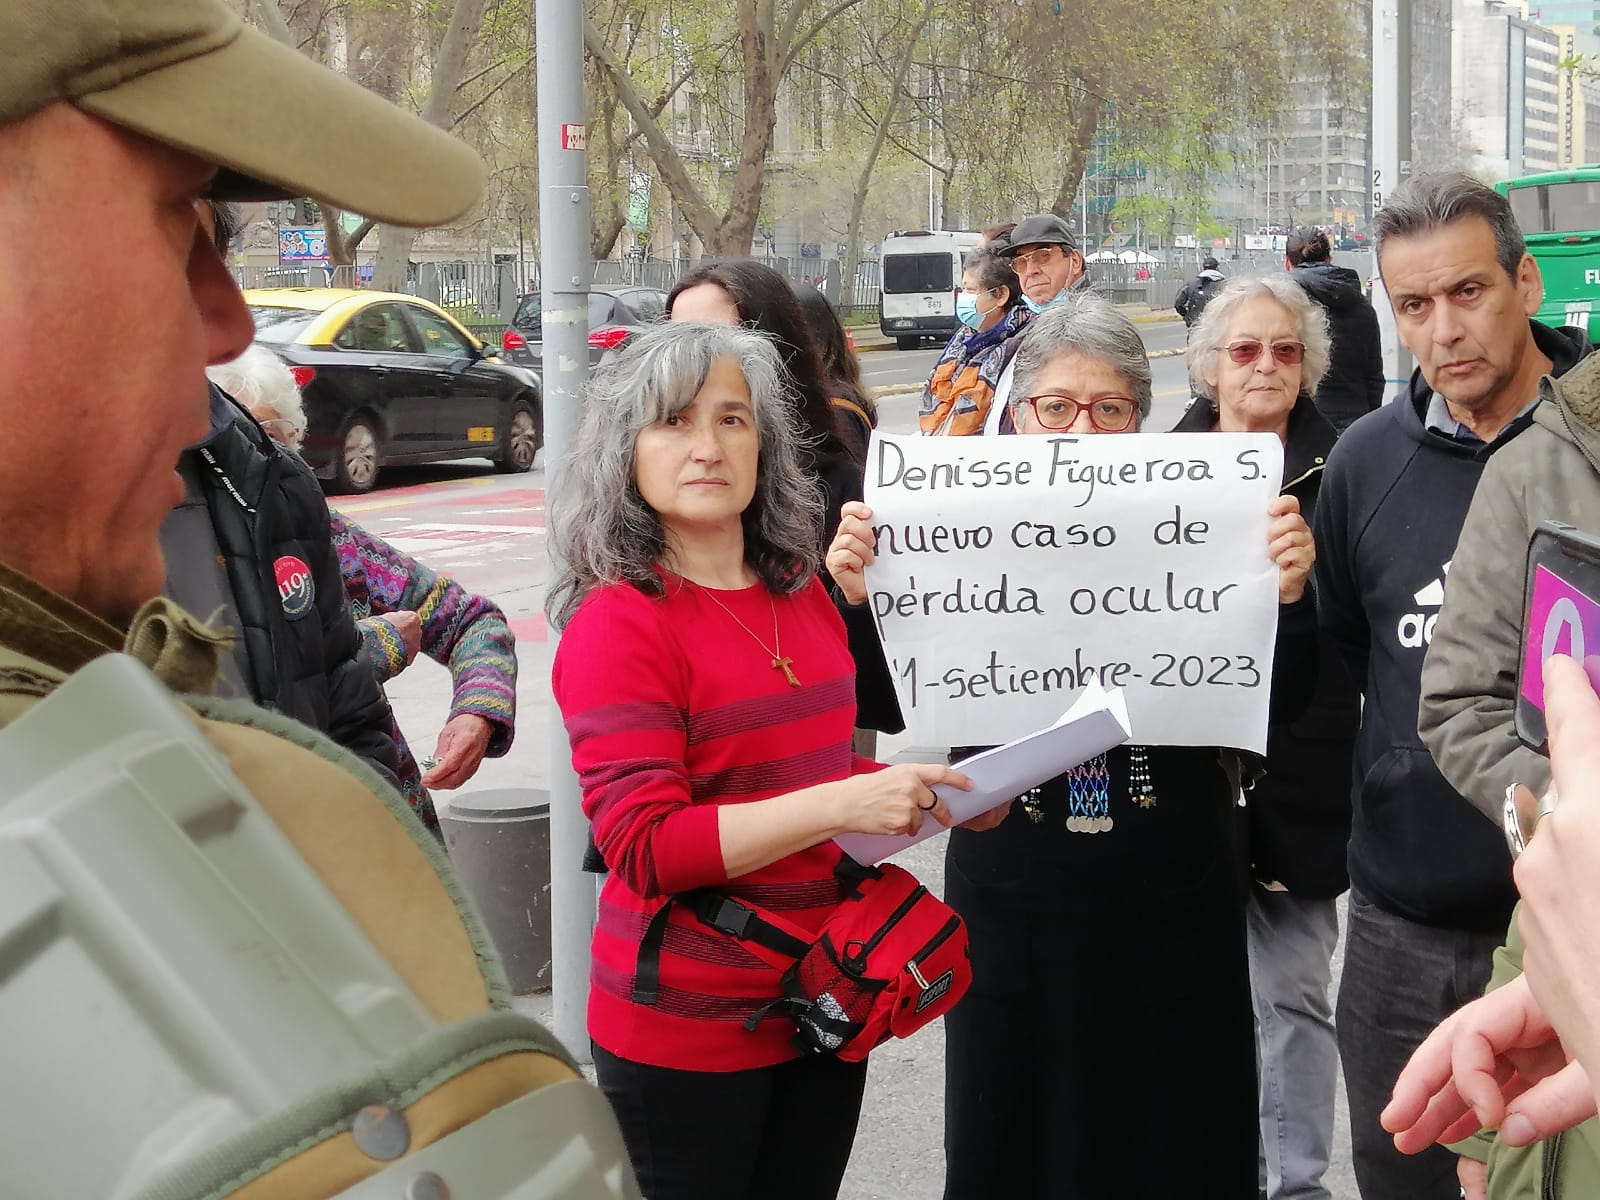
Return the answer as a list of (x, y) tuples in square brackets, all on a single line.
[(1096, 722)]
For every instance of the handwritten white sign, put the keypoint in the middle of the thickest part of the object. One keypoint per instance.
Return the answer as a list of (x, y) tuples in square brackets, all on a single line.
[(1014, 571)]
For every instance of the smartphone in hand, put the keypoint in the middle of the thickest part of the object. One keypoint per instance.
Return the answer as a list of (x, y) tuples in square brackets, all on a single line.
[(1561, 615)]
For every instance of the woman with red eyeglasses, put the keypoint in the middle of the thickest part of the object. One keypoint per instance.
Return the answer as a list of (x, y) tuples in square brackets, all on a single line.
[(1105, 1050), (1256, 356)]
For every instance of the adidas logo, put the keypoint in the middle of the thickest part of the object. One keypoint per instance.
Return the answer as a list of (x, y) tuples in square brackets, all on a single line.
[(1416, 628)]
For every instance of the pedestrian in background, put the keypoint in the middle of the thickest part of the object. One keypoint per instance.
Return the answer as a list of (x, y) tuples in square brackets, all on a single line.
[(1430, 879), (705, 684), (1353, 385), (1256, 356), (1193, 296), (248, 548), (960, 390), (743, 292), (1050, 269), (855, 412), (402, 608)]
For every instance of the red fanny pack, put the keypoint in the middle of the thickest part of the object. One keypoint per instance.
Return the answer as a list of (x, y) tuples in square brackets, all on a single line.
[(890, 958)]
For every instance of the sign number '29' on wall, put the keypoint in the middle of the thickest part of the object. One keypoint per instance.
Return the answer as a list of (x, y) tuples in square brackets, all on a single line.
[(1011, 572)]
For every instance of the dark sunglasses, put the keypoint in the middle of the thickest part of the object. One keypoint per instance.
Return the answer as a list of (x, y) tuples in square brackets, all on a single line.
[(1109, 414), (1247, 351)]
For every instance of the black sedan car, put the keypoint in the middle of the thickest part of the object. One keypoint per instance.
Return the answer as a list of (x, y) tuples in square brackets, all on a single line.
[(388, 379), (616, 315)]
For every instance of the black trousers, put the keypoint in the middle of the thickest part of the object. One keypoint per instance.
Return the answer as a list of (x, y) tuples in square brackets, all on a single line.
[(775, 1133), (1400, 980)]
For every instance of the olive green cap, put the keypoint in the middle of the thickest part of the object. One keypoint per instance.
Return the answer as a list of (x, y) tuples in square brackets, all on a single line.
[(191, 74)]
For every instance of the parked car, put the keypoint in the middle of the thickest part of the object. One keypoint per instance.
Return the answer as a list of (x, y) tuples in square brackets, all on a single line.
[(616, 316), (390, 379)]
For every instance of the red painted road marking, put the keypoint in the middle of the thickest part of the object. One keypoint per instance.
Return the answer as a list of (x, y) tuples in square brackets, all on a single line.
[(531, 629)]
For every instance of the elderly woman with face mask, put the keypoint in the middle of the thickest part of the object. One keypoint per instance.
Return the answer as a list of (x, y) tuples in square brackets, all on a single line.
[(960, 391), (1256, 356), (1105, 1050), (402, 607)]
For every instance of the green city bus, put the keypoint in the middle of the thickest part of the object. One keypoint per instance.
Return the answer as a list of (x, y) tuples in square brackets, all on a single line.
[(1560, 217)]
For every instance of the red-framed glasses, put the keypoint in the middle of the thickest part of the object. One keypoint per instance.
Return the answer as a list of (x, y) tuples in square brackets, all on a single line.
[(1248, 350), (1108, 414)]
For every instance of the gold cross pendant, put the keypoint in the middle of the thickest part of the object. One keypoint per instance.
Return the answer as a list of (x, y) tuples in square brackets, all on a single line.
[(784, 664)]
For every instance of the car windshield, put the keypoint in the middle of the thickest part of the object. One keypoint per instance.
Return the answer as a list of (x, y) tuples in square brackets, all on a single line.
[(280, 325)]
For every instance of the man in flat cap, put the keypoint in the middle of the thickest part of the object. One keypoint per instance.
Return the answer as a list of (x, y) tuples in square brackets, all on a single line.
[(116, 117)]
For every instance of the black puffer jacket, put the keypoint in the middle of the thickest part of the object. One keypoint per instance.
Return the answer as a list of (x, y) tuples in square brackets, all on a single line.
[(1353, 385), (268, 512)]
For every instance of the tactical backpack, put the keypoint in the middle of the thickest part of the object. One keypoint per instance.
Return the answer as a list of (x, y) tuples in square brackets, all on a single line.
[(233, 964)]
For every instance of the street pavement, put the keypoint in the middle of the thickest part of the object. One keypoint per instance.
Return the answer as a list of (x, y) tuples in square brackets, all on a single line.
[(487, 530)]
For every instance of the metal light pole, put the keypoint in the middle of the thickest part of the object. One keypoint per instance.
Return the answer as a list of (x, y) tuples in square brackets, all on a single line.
[(564, 289), (1391, 150)]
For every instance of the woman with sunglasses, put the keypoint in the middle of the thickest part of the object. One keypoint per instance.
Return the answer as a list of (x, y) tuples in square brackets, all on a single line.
[(1255, 357), (1105, 1049)]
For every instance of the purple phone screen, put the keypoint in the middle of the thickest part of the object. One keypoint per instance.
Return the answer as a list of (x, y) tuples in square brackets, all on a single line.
[(1561, 620)]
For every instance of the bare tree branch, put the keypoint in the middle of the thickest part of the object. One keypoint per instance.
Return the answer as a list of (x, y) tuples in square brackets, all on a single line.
[(795, 45)]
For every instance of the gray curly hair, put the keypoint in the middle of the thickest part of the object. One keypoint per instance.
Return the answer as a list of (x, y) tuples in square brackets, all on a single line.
[(602, 530), (1083, 323), (258, 378), (1206, 338)]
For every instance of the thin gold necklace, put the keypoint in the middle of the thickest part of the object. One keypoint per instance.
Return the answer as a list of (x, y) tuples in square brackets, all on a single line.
[(775, 651)]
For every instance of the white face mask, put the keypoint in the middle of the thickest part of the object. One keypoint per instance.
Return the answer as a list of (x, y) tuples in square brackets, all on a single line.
[(1036, 309)]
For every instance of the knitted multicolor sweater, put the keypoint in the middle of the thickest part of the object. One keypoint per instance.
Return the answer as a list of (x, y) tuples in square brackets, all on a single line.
[(464, 632)]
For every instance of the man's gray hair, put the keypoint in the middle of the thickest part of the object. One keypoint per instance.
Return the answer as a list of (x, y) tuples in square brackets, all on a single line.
[(1082, 322), (601, 527), (258, 378), (1424, 203), (1210, 332)]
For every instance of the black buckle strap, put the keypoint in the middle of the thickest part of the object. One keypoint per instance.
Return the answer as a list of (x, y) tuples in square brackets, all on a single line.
[(722, 913), (647, 967), (743, 923)]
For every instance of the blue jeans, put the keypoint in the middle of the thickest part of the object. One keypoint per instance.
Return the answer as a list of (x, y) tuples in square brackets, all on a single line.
[(1291, 966), (1400, 980)]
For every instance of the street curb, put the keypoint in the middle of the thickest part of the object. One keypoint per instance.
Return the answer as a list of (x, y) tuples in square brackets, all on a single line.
[(1163, 353), (890, 391)]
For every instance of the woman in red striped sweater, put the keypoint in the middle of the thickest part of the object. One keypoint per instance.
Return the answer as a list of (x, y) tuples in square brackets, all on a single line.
[(708, 694)]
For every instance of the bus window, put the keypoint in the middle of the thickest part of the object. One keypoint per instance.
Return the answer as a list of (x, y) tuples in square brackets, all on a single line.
[(1557, 207)]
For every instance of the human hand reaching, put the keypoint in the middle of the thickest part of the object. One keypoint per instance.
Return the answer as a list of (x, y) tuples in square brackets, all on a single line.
[(462, 744)]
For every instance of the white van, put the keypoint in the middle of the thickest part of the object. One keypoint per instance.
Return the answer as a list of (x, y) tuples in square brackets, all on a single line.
[(921, 274)]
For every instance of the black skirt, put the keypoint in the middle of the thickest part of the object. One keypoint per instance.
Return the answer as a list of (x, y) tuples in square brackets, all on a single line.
[(1106, 1049)]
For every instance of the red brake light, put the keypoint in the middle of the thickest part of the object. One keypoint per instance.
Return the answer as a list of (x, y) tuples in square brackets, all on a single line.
[(512, 340), (609, 338), (303, 375)]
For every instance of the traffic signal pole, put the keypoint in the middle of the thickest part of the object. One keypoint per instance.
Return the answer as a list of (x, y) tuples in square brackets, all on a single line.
[(565, 272)]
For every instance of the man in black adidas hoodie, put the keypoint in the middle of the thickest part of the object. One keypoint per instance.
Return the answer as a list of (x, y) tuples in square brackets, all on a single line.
[(1430, 879)]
